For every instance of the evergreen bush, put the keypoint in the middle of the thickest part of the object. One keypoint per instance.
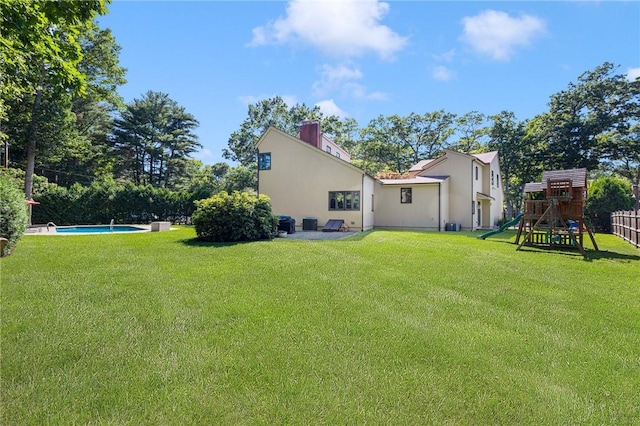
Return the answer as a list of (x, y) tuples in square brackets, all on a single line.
[(101, 202), (13, 213), (238, 216)]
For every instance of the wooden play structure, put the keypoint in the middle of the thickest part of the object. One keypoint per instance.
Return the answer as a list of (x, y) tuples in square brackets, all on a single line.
[(553, 214)]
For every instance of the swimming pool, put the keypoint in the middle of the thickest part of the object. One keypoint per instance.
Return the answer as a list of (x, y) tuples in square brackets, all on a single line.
[(98, 229)]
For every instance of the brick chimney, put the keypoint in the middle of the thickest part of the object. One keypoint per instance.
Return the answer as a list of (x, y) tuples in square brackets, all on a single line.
[(310, 133)]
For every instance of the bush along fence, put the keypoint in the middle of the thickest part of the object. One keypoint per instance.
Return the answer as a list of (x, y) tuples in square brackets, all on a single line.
[(626, 224)]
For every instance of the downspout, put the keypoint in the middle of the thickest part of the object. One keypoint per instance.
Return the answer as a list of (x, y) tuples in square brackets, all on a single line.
[(473, 206), (258, 171), (439, 206), (362, 204)]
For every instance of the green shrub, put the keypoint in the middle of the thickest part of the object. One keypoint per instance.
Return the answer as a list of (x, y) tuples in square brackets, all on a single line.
[(235, 217), (102, 201), (13, 213), (607, 195)]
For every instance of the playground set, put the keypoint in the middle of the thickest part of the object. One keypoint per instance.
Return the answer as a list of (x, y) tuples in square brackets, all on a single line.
[(553, 214)]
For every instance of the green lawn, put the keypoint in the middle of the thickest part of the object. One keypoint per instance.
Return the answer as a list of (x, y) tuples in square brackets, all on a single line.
[(380, 328)]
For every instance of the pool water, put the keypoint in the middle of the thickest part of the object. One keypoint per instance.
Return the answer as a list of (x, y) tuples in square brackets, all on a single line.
[(99, 229)]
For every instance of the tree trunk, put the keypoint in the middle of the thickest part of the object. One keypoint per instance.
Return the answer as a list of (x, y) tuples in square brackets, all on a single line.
[(31, 141), (505, 190)]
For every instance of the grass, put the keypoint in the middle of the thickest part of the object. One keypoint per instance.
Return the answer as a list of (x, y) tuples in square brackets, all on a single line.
[(380, 328)]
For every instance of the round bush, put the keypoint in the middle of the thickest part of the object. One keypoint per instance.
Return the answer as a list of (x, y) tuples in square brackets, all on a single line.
[(13, 213), (235, 217), (607, 195)]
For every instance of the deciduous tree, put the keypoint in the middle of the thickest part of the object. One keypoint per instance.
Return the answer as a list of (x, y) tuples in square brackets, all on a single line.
[(40, 50)]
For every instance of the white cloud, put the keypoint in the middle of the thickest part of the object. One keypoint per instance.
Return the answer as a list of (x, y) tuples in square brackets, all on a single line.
[(340, 79), (337, 27), (633, 74), (443, 73), (446, 56), (329, 107), (497, 34), (358, 91), (333, 77)]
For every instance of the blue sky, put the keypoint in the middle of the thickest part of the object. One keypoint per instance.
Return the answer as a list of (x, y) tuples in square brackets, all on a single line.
[(362, 59)]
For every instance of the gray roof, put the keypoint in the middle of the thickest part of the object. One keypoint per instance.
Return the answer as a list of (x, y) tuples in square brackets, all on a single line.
[(578, 179), (418, 180), (577, 176)]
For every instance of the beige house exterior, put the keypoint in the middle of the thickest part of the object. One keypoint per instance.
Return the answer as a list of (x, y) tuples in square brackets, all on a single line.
[(305, 180), (419, 203), (475, 190), (301, 178)]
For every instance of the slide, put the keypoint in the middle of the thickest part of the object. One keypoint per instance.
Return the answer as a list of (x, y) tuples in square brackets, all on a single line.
[(512, 222)]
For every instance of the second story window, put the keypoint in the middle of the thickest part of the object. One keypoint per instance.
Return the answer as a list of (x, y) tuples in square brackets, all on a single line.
[(328, 149), (476, 172), (264, 161)]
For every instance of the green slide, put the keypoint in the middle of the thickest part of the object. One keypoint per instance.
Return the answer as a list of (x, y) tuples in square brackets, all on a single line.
[(512, 222)]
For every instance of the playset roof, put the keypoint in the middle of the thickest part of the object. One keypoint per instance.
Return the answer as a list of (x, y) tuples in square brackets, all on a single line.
[(578, 179)]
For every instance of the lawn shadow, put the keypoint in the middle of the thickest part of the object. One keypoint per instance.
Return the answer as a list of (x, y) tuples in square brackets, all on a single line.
[(590, 254), (195, 242), (612, 255)]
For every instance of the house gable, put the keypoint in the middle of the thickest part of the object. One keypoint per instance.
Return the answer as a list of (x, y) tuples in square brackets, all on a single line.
[(474, 186), (302, 176)]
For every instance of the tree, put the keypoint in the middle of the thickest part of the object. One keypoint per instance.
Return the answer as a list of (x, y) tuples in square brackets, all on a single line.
[(93, 111), (607, 195), (600, 102), (72, 131), (154, 139), (396, 143), (621, 150), (240, 178), (275, 112), (620, 147), (40, 49), (519, 163), (471, 131)]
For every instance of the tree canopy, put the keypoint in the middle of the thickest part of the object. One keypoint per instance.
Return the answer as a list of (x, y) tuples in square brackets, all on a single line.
[(41, 49), (154, 138)]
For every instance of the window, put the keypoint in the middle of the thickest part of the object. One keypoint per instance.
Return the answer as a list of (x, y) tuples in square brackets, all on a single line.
[(498, 181), (372, 200), (405, 195), (338, 154), (264, 161), (344, 200), (492, 178), (328, 149), (476, 172)]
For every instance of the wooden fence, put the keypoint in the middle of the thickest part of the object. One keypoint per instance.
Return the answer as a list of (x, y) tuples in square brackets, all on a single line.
[(627, 226)]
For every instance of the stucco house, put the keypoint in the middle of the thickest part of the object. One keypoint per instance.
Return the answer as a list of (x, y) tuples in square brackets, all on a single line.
[(311, 179)]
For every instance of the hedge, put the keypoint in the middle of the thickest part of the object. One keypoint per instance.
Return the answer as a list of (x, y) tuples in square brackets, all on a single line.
[(102, 202)]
